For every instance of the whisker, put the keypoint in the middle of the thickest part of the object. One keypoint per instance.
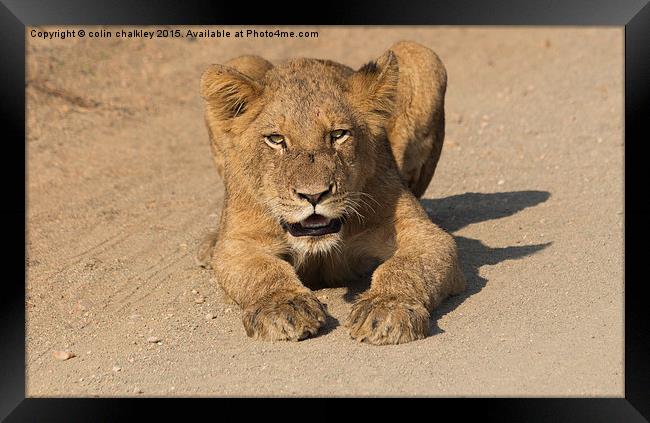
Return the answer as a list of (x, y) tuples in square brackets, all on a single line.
[(352, 206), (365, 203), (370, 197)]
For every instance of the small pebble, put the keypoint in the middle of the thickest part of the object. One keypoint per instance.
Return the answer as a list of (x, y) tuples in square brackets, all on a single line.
[(117, 368), (63, 355), (501, 182), (137, 390), (209, 316), (228, 310), (199, 300), (194, 291), (153, 339)]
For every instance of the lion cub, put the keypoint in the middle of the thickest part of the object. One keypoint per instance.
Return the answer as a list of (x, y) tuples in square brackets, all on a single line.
[(323, 166)]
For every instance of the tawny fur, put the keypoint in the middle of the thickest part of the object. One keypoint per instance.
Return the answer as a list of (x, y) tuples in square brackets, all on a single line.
[(394, 111)]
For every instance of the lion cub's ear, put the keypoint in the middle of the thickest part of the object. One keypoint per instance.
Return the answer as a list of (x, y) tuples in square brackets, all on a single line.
[(373, 89), (228, 92)]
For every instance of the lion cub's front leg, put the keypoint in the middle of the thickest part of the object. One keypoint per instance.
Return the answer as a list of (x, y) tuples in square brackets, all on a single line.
[(422, 272), (276, 306)]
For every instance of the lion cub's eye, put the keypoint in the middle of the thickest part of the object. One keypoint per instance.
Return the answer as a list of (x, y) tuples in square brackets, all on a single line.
[(339, 135), (275, 140)]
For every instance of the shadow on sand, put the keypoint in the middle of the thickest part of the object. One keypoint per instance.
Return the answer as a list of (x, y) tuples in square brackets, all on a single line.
[(454, 213)]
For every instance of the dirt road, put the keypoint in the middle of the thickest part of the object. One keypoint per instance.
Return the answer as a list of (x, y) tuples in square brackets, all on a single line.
[(121, 187)]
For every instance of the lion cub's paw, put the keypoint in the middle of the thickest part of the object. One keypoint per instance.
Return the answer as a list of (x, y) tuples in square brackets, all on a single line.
[(387, 319), (283, 316)]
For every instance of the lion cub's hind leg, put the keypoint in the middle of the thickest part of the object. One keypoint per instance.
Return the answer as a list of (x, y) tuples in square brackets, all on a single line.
[(203, 258), (417, 130), (205, 249)]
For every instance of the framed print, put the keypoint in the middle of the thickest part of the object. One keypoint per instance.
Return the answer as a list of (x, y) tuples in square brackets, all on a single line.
[(435, 201)]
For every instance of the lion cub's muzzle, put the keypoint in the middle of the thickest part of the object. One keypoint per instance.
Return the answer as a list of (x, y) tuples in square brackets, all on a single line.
[(314, 225)]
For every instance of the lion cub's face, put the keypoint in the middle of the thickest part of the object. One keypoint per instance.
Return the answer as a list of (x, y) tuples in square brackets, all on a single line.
[(314, 155), (304, 137)]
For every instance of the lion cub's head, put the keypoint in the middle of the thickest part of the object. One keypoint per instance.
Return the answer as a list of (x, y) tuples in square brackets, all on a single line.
[(301, 139)]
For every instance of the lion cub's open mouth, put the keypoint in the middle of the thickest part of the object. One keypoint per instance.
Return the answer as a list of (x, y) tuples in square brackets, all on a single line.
[(314, 225)]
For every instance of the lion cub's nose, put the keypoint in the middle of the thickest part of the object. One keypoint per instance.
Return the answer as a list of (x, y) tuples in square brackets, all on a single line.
[(314, 198)]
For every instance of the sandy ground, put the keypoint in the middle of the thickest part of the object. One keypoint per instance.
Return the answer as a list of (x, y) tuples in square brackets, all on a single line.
[(121, 187)]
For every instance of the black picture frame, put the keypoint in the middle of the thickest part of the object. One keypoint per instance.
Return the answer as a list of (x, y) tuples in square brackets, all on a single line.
[(634, 15)]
